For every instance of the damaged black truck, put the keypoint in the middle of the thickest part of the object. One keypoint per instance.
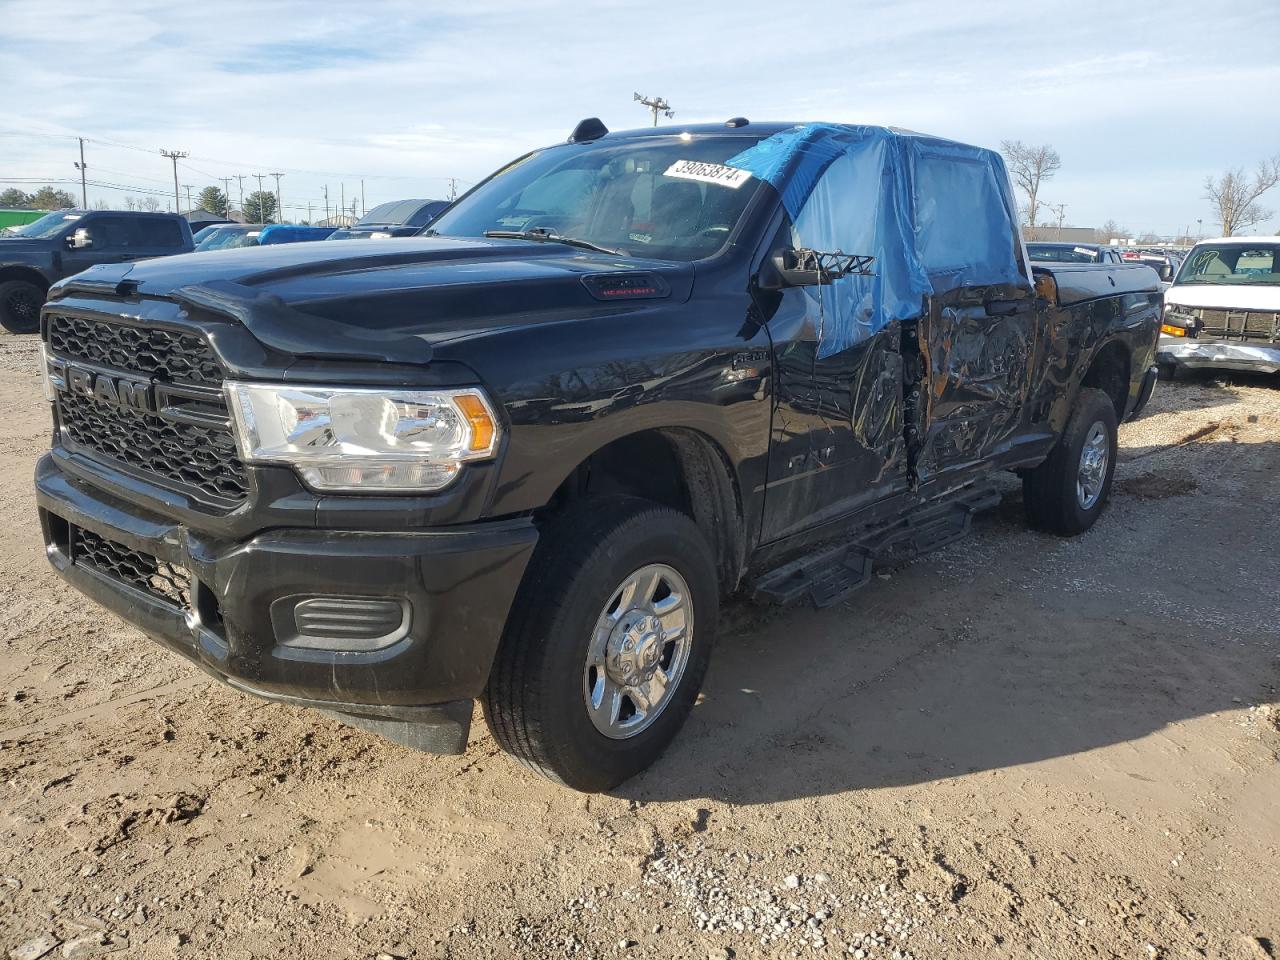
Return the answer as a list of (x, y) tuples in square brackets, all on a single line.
[(524, 457)]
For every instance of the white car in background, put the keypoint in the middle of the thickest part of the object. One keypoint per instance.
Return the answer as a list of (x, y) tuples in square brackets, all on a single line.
[(1223, 309)]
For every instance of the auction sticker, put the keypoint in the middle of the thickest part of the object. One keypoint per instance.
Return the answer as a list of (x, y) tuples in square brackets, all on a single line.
[(708, 173)]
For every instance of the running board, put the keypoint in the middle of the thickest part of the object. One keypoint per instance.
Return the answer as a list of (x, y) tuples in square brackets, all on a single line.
[(830, 574)]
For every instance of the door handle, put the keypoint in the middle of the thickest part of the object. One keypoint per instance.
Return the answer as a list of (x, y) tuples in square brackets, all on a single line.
[(1002, 308)]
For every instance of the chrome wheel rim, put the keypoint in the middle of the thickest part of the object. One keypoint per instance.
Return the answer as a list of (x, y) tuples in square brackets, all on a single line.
[(639, 648), (1094, 457)]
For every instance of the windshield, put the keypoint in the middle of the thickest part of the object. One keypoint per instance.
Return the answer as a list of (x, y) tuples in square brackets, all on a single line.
[(1054, 253), (225, 238), (1235, 263), (47, 226), (647, 197)]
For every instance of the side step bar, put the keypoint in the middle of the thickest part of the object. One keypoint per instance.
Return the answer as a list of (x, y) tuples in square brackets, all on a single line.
[(831, 573)]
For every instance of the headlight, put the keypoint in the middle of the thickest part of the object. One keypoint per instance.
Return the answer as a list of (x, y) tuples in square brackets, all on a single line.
[(364, 440)]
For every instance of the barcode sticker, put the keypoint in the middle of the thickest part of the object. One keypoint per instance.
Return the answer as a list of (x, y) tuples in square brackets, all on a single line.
[(708, 173)]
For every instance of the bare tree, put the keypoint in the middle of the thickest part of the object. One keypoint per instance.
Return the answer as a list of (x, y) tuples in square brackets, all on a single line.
[(149, 204), (1030, 167), (1235, 196), (1111, 231)]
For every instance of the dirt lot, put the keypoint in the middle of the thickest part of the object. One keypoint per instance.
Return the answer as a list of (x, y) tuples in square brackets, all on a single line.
[(1017, 747)]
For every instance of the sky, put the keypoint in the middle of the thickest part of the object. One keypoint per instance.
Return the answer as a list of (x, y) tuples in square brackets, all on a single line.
[(1141, 100)]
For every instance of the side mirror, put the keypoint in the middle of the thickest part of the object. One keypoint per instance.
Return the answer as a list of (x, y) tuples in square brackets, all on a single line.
[(80, 240), (1166, 273), (801, 267)]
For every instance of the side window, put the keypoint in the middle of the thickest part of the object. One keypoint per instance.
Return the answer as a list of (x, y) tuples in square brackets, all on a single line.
[(110, 233), (840, 211), (158, 234), (962, 227)]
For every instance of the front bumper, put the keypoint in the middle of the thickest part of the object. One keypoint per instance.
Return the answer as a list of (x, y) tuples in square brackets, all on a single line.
[(456, 584), (1220, 354)]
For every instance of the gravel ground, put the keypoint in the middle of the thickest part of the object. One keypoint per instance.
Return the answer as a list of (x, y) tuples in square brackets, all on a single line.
[(1017, 747)]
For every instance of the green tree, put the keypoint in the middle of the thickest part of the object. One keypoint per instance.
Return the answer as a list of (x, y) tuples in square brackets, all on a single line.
[(260, 207), (15, 199), (51, 198), (213, 200)]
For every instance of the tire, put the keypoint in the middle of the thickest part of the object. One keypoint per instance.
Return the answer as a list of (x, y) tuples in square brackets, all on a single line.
[(1065, 494), (20, 303), (1168, 372), (537, 700)]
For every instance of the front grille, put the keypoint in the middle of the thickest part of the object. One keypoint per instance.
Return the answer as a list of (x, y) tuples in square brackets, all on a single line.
[(162, 580), (202, 458), (158, 354), (1257, 325), (196, 458)]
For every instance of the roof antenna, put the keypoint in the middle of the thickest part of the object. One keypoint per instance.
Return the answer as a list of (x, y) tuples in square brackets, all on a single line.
[(589, 129)]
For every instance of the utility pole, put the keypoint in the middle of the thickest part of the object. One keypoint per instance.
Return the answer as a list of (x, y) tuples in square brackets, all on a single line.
[(259, 177), (226, 182), (84, 190), (309, 213), (343, 208), (363, 211), (1060, 209), (1199, 228), (187, 187), (240, 177), (656, 105), (175, 156), (279, 202), (326, 203)]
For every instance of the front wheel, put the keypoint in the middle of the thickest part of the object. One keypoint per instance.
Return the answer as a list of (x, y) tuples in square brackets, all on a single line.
[(607, 644), (20, 303), (1066, 493)]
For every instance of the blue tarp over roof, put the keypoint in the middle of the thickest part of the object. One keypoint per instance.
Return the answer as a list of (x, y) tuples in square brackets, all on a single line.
[(935, 214)]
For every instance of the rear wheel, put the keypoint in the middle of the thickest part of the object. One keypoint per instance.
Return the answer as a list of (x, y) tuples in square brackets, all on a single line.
[(607, 645), (1066, 494), (20, 303)]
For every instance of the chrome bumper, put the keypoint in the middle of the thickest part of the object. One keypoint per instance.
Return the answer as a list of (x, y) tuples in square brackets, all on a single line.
[(1224, 354)]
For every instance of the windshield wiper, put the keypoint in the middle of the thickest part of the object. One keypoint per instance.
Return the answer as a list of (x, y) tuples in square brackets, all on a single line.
[(546, 236)]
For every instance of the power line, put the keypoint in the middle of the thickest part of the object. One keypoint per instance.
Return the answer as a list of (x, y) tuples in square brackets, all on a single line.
[(106, 141)]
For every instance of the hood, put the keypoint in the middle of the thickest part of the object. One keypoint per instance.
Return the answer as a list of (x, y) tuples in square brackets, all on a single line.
[(1225, 296), (11, 244), (297, 296)]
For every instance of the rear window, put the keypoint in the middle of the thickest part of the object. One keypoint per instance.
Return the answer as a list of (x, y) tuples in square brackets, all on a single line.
[(1053, 253)]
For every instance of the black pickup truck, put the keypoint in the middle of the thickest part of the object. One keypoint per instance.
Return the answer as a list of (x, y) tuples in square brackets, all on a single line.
[(63, 243), (524, 458)]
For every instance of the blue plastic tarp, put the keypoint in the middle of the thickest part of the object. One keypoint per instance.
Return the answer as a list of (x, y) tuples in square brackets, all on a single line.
[(935, 214)]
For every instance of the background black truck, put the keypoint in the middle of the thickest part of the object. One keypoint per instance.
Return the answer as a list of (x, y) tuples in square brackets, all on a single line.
[(63, 243), (524, 458)]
